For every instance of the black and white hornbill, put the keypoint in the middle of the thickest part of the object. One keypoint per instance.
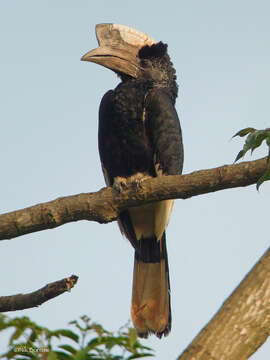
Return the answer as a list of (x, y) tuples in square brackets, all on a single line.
[(140, 137)]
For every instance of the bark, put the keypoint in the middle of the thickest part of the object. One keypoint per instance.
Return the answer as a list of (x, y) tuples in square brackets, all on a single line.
[(36, 298), (105, 205), (241, 325)]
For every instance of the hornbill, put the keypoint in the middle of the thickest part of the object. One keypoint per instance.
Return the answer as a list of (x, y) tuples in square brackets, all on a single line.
[(140, 137)]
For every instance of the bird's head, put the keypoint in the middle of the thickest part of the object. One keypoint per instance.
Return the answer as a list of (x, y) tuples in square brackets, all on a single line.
[(131, 53)]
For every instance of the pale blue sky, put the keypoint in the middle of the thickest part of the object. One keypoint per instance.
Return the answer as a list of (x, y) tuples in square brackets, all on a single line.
[(49, 103)]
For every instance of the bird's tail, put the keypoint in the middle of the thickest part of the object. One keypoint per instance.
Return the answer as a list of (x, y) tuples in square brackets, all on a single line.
[(151, 308)]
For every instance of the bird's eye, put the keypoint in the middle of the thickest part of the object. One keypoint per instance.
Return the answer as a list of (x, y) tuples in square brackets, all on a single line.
[(144, 63)]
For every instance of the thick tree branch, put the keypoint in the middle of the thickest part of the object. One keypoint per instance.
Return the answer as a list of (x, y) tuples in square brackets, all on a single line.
[(105, 205), (242, 324), (36, 298)]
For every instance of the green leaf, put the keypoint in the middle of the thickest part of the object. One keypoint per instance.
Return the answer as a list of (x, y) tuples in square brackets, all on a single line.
[(240, 155), (17, 333), (81, 355), (93, 343), (268, 144), (52, 356), (4, 322), (66, 333), (268, 140), (263, 178), (132, 337), (254, 140), (68, 348), (139, 356), (244, 132), (102, 344), (33, 336), (63, 356)]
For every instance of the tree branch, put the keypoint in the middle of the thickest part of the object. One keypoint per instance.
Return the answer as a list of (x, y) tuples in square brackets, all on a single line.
[(36, 298), (242, 324), (105, 205)]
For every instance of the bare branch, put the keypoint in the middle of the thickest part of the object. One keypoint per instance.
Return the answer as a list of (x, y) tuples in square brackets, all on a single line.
[(242, 324), (36, 298), (105, 205)]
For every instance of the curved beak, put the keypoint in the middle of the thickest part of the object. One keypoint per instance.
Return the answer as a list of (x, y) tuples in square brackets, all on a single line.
[(118, 48), (117, 60)]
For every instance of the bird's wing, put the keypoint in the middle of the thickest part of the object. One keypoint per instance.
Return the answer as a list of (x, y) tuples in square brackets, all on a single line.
[(105, 140), (164, 131), (165, 137)]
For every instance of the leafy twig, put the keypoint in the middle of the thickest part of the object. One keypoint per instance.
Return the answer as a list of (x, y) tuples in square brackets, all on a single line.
[(254, 139)]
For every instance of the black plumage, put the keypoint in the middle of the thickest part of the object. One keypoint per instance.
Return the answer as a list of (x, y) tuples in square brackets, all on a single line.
[(139, 137), (132, 129)]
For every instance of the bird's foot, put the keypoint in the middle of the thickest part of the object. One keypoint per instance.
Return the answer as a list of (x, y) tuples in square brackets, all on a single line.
[(120, 184), (137, 180)]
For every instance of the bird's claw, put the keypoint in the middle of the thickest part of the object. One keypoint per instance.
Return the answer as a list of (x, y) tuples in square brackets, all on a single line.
[(120, 184), (138, 182)]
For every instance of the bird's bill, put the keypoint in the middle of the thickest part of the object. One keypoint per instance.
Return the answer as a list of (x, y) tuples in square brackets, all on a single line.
[(116, 60), (118, 48)]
